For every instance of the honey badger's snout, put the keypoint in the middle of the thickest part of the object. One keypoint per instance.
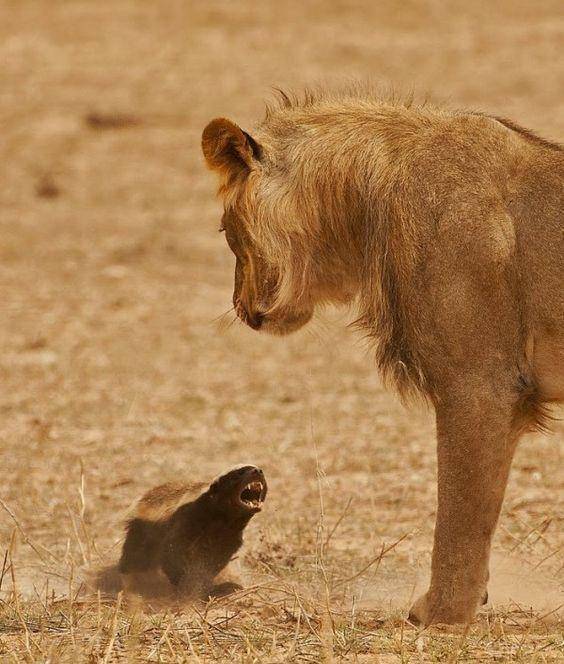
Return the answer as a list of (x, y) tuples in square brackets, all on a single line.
[(243, 488), (252, 487)]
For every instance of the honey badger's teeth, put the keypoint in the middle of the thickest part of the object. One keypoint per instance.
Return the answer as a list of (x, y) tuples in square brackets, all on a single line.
[(251, 494)]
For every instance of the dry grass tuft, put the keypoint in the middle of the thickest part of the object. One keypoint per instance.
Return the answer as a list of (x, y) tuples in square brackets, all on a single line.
[(306, 606)]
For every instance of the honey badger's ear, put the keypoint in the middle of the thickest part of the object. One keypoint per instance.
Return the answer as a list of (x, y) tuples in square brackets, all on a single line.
[(229, 149)]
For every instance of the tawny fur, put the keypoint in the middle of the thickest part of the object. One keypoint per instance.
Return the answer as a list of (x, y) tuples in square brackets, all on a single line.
[(350, 175), (444, 228)]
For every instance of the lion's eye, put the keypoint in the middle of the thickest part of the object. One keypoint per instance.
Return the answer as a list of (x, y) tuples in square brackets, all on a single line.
[(221, 229)]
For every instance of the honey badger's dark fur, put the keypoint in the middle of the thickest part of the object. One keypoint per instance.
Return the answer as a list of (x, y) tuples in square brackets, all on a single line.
[(182, 537)]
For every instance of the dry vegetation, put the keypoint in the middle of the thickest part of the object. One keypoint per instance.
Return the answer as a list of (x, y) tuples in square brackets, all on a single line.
[(116, 373)]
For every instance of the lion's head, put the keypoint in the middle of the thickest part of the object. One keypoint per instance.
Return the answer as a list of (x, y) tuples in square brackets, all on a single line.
[(261, 277), (280, 255)]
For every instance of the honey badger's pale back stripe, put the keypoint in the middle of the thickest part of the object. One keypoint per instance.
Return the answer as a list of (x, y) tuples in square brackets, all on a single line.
[(162, 501)]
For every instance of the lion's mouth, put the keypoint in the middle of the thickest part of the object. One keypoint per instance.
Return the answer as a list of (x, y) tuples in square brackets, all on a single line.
[(283, 325), (252, 495)]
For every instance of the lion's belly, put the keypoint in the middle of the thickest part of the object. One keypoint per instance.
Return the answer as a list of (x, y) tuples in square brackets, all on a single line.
[(548, 363)]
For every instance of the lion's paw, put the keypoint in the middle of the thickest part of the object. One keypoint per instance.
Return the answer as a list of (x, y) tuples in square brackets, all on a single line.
[(427, 612)]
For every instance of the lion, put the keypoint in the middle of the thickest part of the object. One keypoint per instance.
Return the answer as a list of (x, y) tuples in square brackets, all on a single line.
[(444, 228)]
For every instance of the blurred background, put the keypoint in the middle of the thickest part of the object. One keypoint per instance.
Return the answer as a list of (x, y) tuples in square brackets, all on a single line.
[(117, 370)]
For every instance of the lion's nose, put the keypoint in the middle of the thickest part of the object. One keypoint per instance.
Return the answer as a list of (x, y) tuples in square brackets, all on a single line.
[(255, 320)]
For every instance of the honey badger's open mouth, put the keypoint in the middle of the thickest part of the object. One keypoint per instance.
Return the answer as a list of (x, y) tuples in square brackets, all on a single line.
[(252, 495)]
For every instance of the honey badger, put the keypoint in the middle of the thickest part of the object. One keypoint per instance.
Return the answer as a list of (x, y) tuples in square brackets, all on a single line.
[(181, 537)]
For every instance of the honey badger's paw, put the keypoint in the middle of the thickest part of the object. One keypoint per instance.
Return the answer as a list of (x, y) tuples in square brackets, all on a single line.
[(427, 612), (223, 589)]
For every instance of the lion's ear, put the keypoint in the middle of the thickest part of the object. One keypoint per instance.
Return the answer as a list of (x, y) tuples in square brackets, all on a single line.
[(229, 149)]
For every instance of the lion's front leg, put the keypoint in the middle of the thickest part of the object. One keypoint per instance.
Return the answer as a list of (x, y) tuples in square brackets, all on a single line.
[(475, 449)]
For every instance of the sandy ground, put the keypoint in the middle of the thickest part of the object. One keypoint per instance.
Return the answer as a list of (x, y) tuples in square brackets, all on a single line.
[(116, 373)]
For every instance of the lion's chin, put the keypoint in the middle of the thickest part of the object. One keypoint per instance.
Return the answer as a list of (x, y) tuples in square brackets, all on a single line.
[(283, 325)]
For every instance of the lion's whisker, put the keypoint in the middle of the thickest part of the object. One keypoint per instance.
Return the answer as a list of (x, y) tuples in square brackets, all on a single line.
[(234, 320), (226, 320), (223, 315)]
